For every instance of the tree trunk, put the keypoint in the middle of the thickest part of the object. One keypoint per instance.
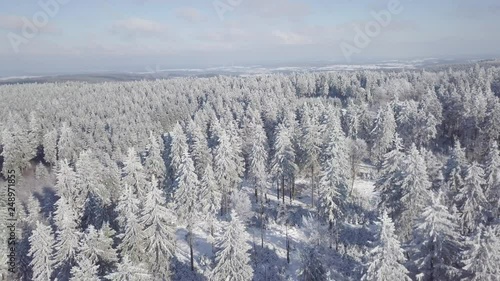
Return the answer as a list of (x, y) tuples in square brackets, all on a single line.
[(278, 188), (283, 188), (261, 224), (317, 198), (353, 175), (190, 241), (287, 245), (432, 265), (212, 234), (331, 233), (336, 238), (292, 190), (222, 205), (312, 186)]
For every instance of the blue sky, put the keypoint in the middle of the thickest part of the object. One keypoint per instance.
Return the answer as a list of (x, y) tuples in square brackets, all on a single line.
[(133, 35)]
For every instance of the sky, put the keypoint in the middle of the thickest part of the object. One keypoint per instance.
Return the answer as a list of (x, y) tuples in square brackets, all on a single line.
[(71, 36)]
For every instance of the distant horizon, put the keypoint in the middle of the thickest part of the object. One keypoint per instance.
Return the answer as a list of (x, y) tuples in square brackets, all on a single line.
[(158, 66), (46, 37)]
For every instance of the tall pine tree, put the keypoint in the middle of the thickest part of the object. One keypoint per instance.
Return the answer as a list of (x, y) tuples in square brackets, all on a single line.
[(389, 184), (387, 258), (471, 200), (232, 258), (415, 188), (482, 258), (41, 242), (492, 176), (437, 243), (158, 223), (186, 198)]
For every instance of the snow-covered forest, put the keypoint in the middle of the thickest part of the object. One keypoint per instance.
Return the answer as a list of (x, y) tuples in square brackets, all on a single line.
[(355, 175)]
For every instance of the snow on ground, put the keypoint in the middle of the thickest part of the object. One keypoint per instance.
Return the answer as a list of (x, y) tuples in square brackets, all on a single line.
[(364, 193), (17, 77), (364, 189), (275, 234)]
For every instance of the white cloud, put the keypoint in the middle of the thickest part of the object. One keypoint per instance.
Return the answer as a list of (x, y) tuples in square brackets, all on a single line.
[(17, 23), (190, 14), (274, 9), (291, 38), (134, 27)]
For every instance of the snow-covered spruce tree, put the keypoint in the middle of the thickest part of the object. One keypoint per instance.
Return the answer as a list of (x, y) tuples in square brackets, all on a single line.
[(386, 261), (434, 169), (129, 271), (351, 119), (334, 182), (106, 241), (315, 229), (177, 146), (471, 200), (232, 258), (436, 244), (209, 199), (483, 255), (50, 147), (25, 143), (415, 188), (492, 122), (133, 173), (41, 173), (154, 163), (389, 184), (198, 148), (383, 133), (34, 133), (111, 178), (356, 152), (66, 180), (250, 118), (283, 218), (34, 211), (22, 252), (454, 172), (67, 237), (492, 176), (228, 166), (233, 132), (41, 242), (66, 145), (88, 172), (85, 269), (132, 237), (186, 198), (241, 203), (310, 143), (312, 266), (16, 149), (283, 165), (257, 170), (92, 194), (96, 211), (158, 232), (128, 203), (97, 246)]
